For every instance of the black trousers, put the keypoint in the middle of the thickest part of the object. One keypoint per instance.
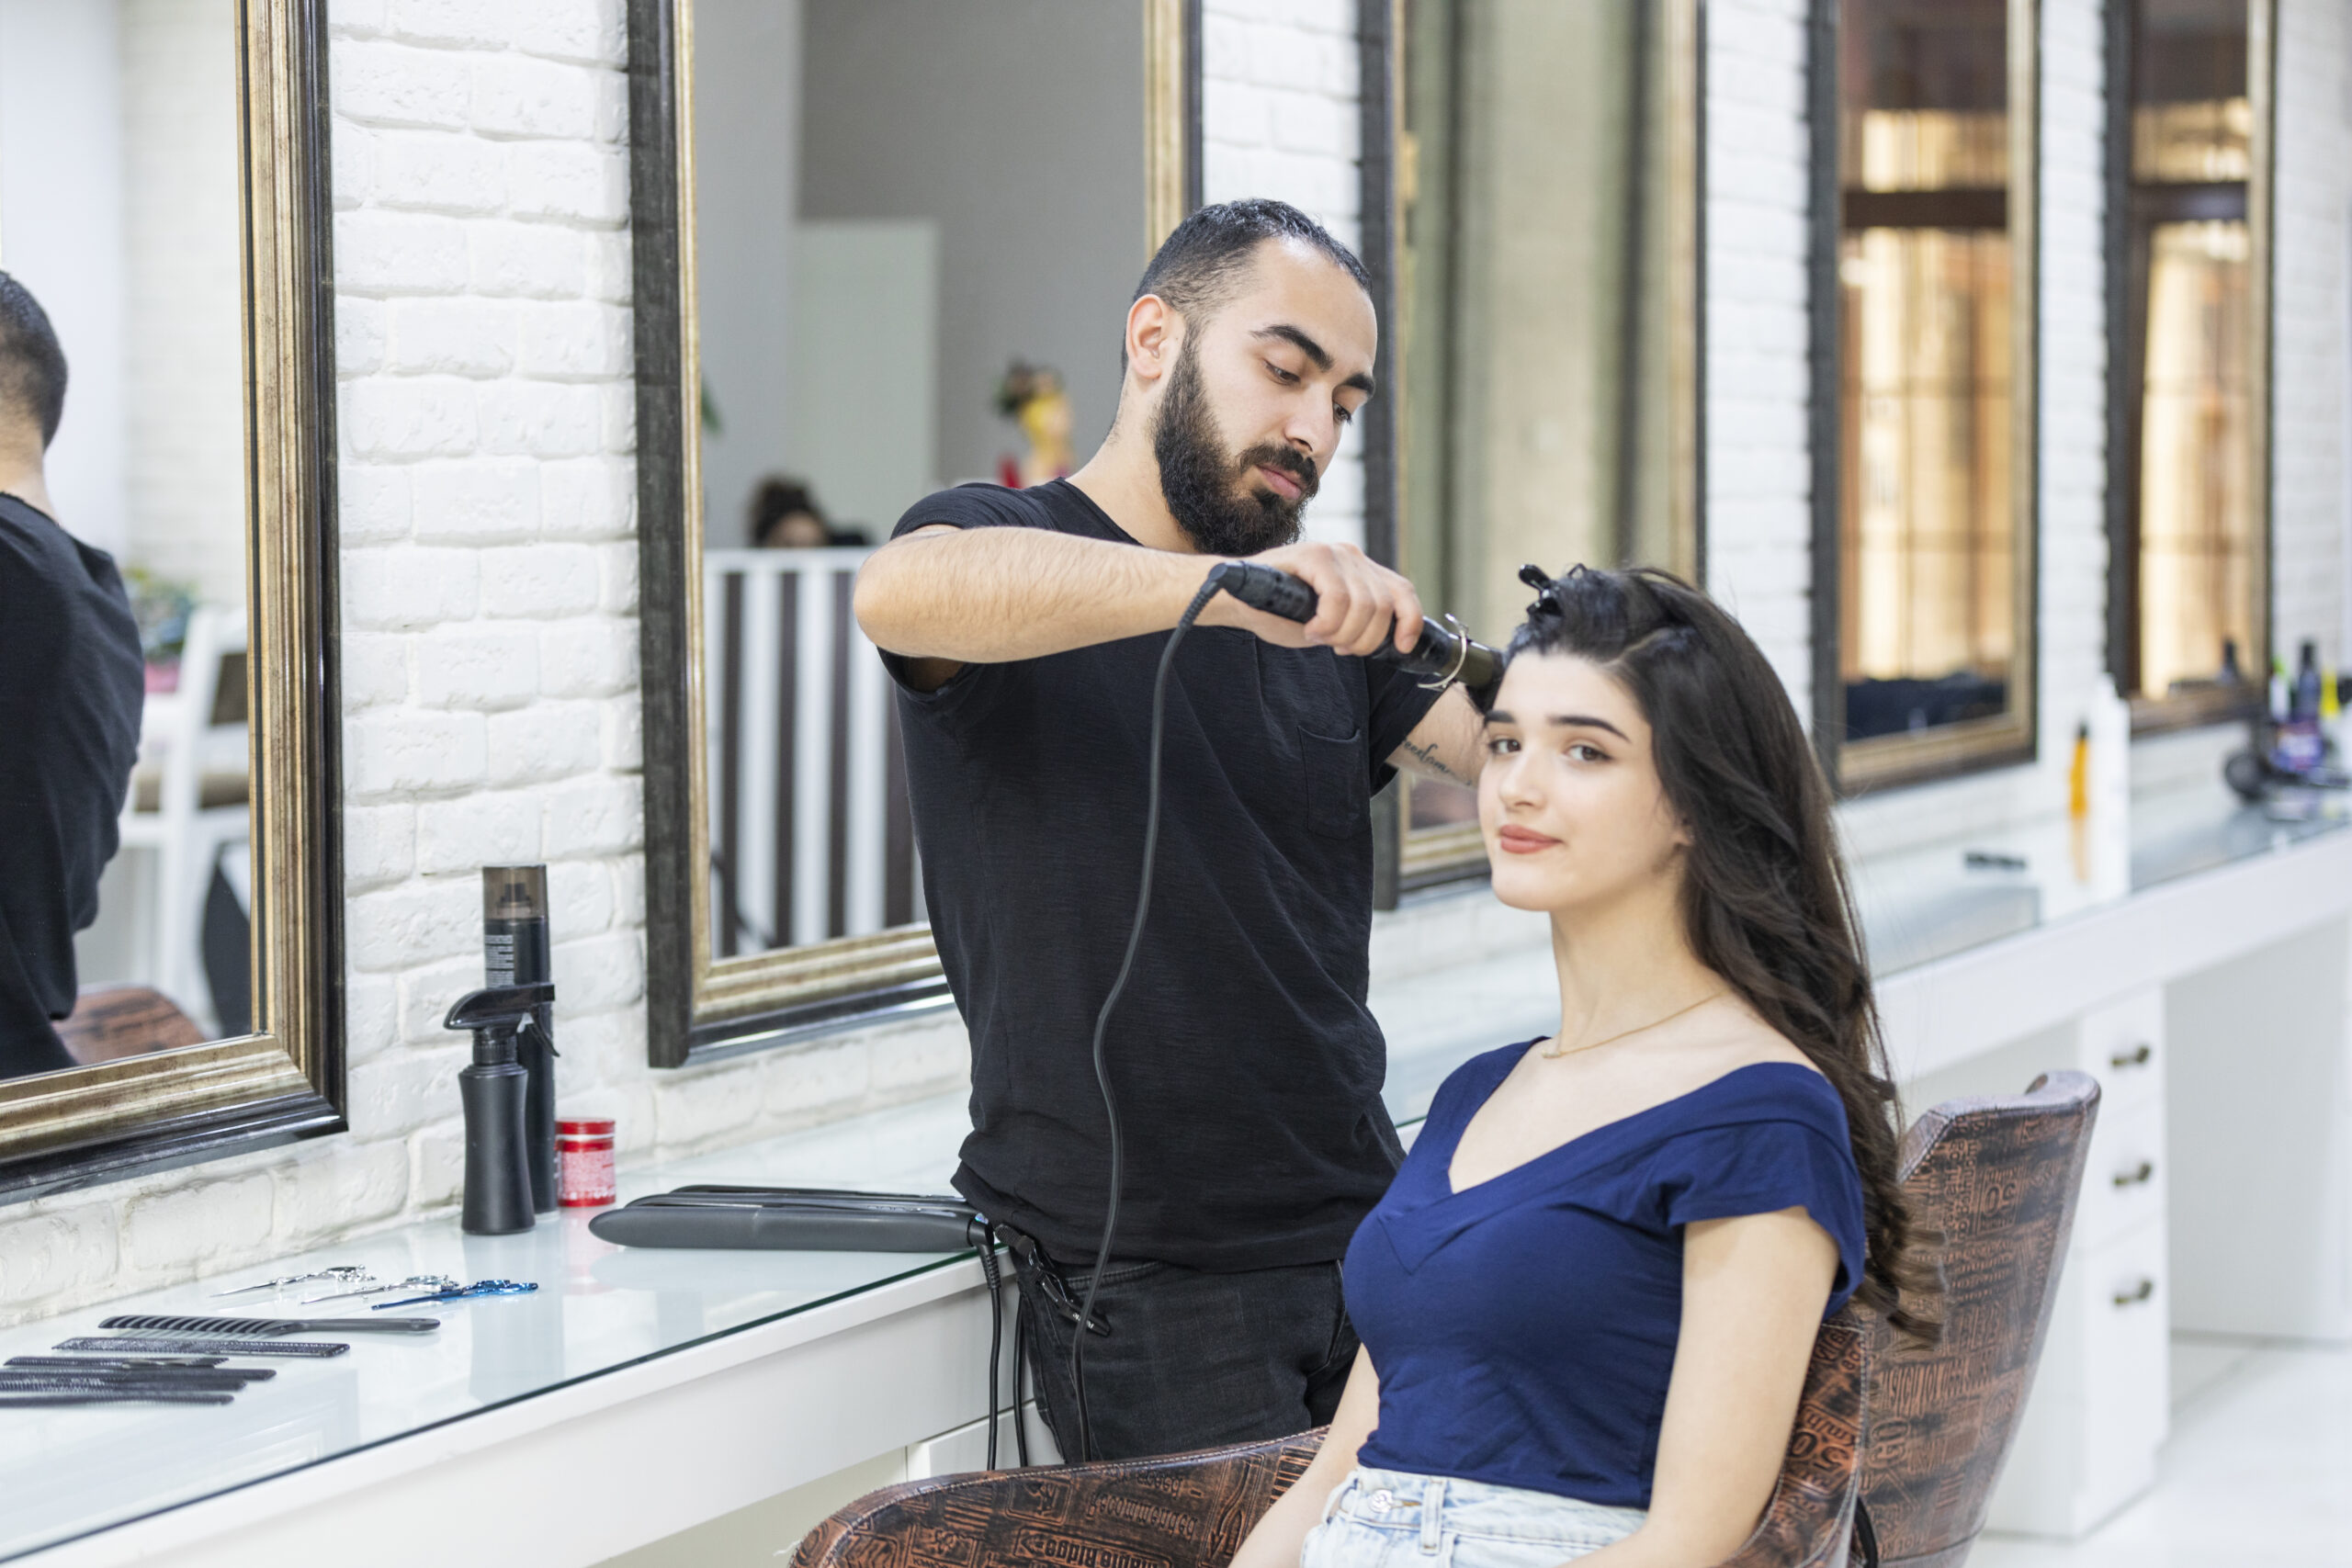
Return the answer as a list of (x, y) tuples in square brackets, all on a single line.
[(1191, 1360)]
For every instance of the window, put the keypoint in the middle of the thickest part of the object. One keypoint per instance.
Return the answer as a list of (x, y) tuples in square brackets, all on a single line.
[(1927, 635), (2189, 513), (1543, 316)]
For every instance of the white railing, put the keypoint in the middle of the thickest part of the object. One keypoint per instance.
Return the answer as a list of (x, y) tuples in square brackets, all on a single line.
[(809, 833)]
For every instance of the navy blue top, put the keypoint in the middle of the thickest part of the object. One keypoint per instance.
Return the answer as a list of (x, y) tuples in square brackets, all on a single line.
[(1524, 1329)]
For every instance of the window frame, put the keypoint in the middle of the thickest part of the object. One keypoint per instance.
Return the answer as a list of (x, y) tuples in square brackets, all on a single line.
[(1407, 859), (2126, 377), (1972, 745), (699, 1007)]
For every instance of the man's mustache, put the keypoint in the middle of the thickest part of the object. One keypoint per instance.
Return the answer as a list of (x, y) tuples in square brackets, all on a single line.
[(1288, 461)]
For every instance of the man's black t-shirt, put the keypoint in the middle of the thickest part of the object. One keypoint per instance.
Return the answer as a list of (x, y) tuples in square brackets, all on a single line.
[(71, 688), (1246, 1066)]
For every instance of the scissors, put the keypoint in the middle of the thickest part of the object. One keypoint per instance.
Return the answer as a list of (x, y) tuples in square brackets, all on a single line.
[(378, 1288), (341, 1274), (461, 1293)]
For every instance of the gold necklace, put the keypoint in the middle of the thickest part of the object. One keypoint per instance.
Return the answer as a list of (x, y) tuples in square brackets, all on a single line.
[(1558, 1050)]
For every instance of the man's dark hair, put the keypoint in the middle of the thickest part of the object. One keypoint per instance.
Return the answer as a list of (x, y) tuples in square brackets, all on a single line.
[(1201, 265), (32, 365)]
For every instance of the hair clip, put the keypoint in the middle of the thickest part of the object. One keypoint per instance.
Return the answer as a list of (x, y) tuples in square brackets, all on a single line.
[(341, 1273), (378, 1288), (461, 1293)]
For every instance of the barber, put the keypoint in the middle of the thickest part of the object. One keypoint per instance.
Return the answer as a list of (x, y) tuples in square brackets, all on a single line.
[(71, 687), (1024, 628)]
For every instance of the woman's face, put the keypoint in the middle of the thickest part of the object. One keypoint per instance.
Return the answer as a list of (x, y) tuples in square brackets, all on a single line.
[(1570, 799)]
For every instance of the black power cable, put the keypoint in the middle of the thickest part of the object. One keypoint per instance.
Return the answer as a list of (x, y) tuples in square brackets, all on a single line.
[(987, 1250), (1103, 1020)]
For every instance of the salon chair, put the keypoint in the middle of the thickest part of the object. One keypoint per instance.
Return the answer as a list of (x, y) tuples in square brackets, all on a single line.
[(1999, 1178), (109, 1023), (1191, 1510)]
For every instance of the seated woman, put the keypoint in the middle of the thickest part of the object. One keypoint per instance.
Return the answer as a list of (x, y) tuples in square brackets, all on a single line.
[(1589, 1301)]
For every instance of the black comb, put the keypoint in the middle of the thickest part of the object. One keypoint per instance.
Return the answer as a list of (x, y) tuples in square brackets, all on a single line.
[(164, 1345), (112, 1397), (272, 1327)]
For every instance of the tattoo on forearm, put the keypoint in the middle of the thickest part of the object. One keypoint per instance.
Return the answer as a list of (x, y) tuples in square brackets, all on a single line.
[(1428, 757)]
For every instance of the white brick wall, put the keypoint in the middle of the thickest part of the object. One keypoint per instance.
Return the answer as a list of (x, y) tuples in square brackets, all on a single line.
[(2314, 291), (1281, 106), (1759, 507)]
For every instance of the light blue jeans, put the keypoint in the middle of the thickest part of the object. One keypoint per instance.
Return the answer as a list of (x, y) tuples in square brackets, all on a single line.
[(1387, 1518)]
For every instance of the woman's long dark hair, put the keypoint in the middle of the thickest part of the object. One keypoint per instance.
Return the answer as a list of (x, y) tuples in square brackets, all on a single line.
[(1765, 901)]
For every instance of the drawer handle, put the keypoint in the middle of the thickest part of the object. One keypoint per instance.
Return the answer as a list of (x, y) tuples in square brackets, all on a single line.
[(2134, 1177), (2136, 1294), (2139, 1056)]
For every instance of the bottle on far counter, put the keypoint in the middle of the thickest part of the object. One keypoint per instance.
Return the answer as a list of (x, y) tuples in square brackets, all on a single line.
[(2301, 748), (514, 952)]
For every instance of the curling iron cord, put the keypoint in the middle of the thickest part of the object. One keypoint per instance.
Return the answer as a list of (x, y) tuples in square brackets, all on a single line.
[(1103, 1020)]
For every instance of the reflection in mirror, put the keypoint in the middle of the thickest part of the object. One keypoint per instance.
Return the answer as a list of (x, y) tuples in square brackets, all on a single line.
[(1545, 195), (1934, 633), (2193, 559), (125, 870), (902, 269)]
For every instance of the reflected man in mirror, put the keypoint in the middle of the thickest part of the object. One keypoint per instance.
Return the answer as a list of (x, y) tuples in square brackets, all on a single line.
[(71, 683), (1024, 628)]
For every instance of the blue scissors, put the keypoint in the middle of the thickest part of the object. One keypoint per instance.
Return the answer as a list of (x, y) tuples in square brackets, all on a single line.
[(461, 1293)]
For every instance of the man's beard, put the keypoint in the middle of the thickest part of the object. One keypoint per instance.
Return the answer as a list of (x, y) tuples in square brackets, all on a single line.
[(1208, 491)]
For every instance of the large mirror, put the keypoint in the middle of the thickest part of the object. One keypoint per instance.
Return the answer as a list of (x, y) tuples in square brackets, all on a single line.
[(2188, 280), (876, 243), (168, 879), (1542, 190), (1924, 486)]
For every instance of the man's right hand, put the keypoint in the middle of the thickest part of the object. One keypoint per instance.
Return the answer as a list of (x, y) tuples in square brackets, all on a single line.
[(1361, 605)]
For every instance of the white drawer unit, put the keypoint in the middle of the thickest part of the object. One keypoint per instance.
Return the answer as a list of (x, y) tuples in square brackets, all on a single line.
[(2087, 1443), (2099, 1410)]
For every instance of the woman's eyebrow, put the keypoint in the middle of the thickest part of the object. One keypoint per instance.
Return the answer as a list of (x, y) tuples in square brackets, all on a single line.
[(1563, 721)]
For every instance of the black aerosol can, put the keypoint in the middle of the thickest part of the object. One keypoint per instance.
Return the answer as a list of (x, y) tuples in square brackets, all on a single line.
[(492, 1091), (515, 952)]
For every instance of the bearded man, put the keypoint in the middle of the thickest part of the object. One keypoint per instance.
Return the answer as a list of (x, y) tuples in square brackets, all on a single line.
[(1024, 628)]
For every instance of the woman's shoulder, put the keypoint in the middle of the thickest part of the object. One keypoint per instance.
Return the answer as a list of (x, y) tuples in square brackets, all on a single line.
[(1476, 1078), (1766, 1088)]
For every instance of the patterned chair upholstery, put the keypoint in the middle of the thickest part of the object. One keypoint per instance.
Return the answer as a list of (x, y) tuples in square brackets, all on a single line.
[(1999, 1178), (1191, 1510), (109, 1023)]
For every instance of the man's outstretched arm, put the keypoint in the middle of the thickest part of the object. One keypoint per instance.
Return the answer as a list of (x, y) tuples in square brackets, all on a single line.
[(942, 597)]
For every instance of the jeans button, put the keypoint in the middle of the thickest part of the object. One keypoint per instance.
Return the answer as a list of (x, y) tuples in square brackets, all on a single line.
[(1382, 1502)]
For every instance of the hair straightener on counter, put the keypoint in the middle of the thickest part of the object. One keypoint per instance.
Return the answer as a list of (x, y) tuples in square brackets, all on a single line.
[(794, 1218)]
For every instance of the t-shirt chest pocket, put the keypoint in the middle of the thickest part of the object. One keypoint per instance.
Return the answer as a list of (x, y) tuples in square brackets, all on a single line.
[(1315, 711), (1336, 779)]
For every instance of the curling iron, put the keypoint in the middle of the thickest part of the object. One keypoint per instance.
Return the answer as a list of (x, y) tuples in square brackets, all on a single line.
[(1444, 652)]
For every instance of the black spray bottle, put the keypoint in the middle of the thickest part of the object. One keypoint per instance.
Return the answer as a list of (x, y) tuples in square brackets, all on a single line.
[(492, 1089), (515, 952)]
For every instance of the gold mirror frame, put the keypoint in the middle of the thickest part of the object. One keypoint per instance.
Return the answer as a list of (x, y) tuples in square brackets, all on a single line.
[(2158, 715), (1973, 744), (75, 1128), (1414, 859), (701, 1007)]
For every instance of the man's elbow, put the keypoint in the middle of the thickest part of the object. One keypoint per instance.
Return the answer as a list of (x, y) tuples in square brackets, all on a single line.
[(879, 600)]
